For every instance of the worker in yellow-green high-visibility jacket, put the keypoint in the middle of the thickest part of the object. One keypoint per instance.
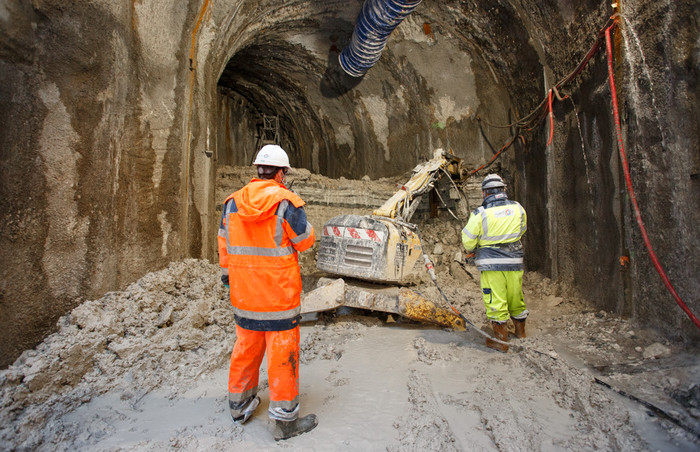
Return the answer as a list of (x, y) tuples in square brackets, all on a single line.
[(493, 232)]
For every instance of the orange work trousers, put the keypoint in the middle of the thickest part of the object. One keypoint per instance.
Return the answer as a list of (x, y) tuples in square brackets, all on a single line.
[(282, 349)]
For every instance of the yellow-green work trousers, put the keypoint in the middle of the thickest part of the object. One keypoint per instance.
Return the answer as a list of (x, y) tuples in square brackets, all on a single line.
[(503, 295)]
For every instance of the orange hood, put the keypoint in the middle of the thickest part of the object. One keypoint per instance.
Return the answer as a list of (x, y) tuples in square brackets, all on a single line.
[(257, 200)]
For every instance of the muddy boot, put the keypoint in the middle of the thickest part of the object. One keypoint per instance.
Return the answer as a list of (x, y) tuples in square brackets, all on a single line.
[(519, 328), (240, 413), (500, 332), (285, 430)]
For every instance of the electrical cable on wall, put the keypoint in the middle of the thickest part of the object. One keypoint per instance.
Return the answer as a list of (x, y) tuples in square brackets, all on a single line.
[(628, 182), (544, 110)]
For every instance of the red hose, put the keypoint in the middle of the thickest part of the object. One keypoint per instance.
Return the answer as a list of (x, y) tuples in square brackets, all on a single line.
[(495, 156), (628, 182)]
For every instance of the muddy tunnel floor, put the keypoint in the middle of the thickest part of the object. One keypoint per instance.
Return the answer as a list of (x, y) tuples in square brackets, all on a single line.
[(146, 369)]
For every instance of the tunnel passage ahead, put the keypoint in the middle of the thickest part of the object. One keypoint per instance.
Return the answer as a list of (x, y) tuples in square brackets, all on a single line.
[(381, 124)]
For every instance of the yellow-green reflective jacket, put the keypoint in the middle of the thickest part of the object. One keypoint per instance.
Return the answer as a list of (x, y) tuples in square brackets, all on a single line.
[(494, 231)]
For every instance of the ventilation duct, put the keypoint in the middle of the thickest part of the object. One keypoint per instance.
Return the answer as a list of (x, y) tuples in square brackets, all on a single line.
[(376, 21)]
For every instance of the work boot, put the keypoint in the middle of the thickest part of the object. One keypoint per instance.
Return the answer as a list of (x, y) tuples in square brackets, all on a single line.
[(241, 415), (289, 429), (500, 332), (519, 328)]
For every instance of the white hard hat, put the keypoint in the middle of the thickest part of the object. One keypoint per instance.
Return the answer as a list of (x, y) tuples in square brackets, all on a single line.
[(492, 181), (272, 155)]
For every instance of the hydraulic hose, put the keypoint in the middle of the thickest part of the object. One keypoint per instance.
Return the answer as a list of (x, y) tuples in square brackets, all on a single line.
[(497, 154), (376, 21), (430, 268), (628, 183), (551, 118), (536, 116)]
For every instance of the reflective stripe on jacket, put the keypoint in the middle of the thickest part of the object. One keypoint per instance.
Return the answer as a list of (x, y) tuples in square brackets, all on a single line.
[(494, 230), (263, 226)]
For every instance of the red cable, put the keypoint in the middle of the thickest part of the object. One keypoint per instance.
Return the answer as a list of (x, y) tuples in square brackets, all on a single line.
[(495, 156), (551, 119), (628, 182)]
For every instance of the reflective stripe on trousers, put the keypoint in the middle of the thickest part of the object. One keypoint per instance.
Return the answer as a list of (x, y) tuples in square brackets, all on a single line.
[(282, 349)]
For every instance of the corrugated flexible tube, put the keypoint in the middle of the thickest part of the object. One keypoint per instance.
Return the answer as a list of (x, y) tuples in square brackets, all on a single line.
[(376, 21)]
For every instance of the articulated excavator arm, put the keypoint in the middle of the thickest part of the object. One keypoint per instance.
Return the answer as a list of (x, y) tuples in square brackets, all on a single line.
[(384, 247), (405, 201)]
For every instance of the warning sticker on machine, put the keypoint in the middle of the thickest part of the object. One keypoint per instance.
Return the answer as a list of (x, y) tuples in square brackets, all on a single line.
[(356, 233)]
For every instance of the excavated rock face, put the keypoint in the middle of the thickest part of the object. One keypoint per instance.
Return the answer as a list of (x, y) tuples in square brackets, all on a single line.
[(115, 118)]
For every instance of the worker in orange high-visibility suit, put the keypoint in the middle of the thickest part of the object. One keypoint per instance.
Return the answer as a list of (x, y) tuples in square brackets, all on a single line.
[(263, 226)]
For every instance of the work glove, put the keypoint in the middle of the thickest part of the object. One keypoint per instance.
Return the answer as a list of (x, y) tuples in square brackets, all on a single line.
[(224, 279), (470, 258)]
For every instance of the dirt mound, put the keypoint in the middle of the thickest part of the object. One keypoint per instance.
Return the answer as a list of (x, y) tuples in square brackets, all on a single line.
[(162, 331)]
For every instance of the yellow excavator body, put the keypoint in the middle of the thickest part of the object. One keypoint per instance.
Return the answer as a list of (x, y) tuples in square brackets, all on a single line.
[(385, 247)]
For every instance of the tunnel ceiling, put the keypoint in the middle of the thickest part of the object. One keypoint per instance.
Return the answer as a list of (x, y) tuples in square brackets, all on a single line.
[(494, 30), (290, 69), (277, 58)]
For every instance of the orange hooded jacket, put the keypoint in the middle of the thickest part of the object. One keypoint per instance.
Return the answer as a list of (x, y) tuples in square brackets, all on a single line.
[(263, 226)]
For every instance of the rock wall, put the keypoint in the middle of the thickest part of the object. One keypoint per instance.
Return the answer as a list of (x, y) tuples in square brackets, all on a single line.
[(90, 154), (587, 234)]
